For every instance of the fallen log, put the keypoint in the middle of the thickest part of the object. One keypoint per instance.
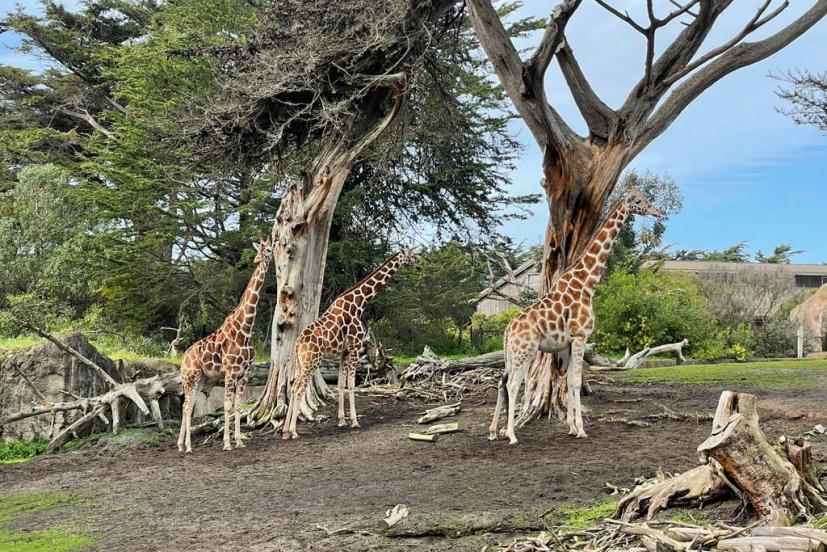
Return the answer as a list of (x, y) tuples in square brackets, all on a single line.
[(439, 412), (394, 516), (439, 429), (423, 437), (771, 544)]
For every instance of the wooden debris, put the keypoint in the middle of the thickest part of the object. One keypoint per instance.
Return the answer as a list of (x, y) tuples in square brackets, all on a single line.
[(439, 429), (780, 484), (423, 437), (433, 414), (394, 516), (666, 535)]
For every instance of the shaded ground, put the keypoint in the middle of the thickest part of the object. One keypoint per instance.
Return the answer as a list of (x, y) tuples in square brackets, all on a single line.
[(272, 495)]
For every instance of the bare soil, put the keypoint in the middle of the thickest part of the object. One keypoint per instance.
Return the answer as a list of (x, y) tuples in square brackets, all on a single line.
[(271, 495)]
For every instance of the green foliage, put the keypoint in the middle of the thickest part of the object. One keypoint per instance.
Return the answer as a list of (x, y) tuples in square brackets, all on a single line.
[(648, 308), (783, 374), (19, 451), (116, 221), (781, 254), (487, 331), (430, 305)]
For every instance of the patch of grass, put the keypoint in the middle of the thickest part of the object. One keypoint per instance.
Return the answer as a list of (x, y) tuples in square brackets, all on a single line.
[(126, 436), (581, 516), (14, 343), (13, 507), (788, 374), (48, 540), (20, 451)]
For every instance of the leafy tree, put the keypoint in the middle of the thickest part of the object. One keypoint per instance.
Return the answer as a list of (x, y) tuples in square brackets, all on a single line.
[(432, 304), (781, 254), (634, 246)]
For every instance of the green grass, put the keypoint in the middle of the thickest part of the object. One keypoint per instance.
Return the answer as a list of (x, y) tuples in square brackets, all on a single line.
[(14, 343), (20, 451), (17, 507), (789, 374), (581, 516)]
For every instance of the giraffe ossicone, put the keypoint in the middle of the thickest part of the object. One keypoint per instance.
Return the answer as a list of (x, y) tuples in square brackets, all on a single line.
[(226, 354), (338, 331), (562, 320)]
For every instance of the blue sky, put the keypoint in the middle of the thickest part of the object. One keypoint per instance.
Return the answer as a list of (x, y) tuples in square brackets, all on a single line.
[(746, 171)]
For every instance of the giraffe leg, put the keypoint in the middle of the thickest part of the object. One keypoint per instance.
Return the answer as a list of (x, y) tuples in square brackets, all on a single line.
[(190, 388), (239, 397), (229, 396), (353, 357), (297, 394), (569, 396), (341, 385), (513, 387), (578, 348), (492, 429)]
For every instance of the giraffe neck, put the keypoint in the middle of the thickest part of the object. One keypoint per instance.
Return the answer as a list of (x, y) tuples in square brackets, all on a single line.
[(593, 260), (370, 286), (245, 313)]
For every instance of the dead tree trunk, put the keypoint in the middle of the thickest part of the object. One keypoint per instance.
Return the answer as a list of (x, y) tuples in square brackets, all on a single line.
[(779, 483), (300, 233), (581, 171)]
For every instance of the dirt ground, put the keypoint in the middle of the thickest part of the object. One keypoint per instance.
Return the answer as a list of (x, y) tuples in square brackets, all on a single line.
[(271, 495)]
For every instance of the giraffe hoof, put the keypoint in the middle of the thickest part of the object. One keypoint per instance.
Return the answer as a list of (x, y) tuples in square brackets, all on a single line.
[(492, 436), (512, 441), (240, 444), (582, 435), (342, 423), (228, 446), (294, 436), (355, 425), (189, 450), (285, 436)]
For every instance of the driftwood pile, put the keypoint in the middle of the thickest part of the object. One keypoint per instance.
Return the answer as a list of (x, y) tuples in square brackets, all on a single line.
[(662, 536), (433, 378)]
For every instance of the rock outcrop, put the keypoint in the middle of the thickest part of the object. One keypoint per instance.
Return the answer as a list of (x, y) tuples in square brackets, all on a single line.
[(812, 314)]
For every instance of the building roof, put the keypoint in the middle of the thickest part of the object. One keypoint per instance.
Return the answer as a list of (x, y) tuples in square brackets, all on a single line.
[(706, 266), (523, 268)]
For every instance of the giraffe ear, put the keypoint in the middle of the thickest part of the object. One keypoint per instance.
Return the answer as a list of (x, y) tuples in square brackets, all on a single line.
[(257, 247)]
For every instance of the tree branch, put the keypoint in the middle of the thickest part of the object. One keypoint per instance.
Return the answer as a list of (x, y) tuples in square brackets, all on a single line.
[(553, 36), (623, 16), (599, 116), (739, 56), (75, 353), (524, 83), (84, 115)]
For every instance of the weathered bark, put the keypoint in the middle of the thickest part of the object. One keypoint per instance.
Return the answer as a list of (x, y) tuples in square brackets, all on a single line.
[(439, 412), (737, 457)]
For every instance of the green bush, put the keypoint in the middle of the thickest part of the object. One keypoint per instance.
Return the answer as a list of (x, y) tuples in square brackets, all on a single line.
[(648, 308), (17, 451)]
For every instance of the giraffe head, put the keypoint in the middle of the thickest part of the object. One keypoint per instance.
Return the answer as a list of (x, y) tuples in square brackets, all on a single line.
[(407, 257), (640, 204), (264, 251)]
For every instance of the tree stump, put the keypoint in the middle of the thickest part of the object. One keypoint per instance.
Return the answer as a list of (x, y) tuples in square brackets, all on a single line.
[(780, 483)]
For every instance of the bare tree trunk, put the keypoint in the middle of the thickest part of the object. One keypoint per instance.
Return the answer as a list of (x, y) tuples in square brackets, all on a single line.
[(576, 185), (301, 232)]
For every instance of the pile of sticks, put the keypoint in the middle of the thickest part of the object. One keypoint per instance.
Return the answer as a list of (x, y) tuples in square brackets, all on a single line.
[(432, 378), (656, 536)]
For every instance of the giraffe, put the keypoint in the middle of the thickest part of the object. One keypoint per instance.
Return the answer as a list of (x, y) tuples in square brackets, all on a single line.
[(226, 353), (339, 331), (562, 320)]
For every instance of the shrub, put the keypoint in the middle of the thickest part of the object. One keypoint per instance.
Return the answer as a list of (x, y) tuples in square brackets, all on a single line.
[(648, 308)]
